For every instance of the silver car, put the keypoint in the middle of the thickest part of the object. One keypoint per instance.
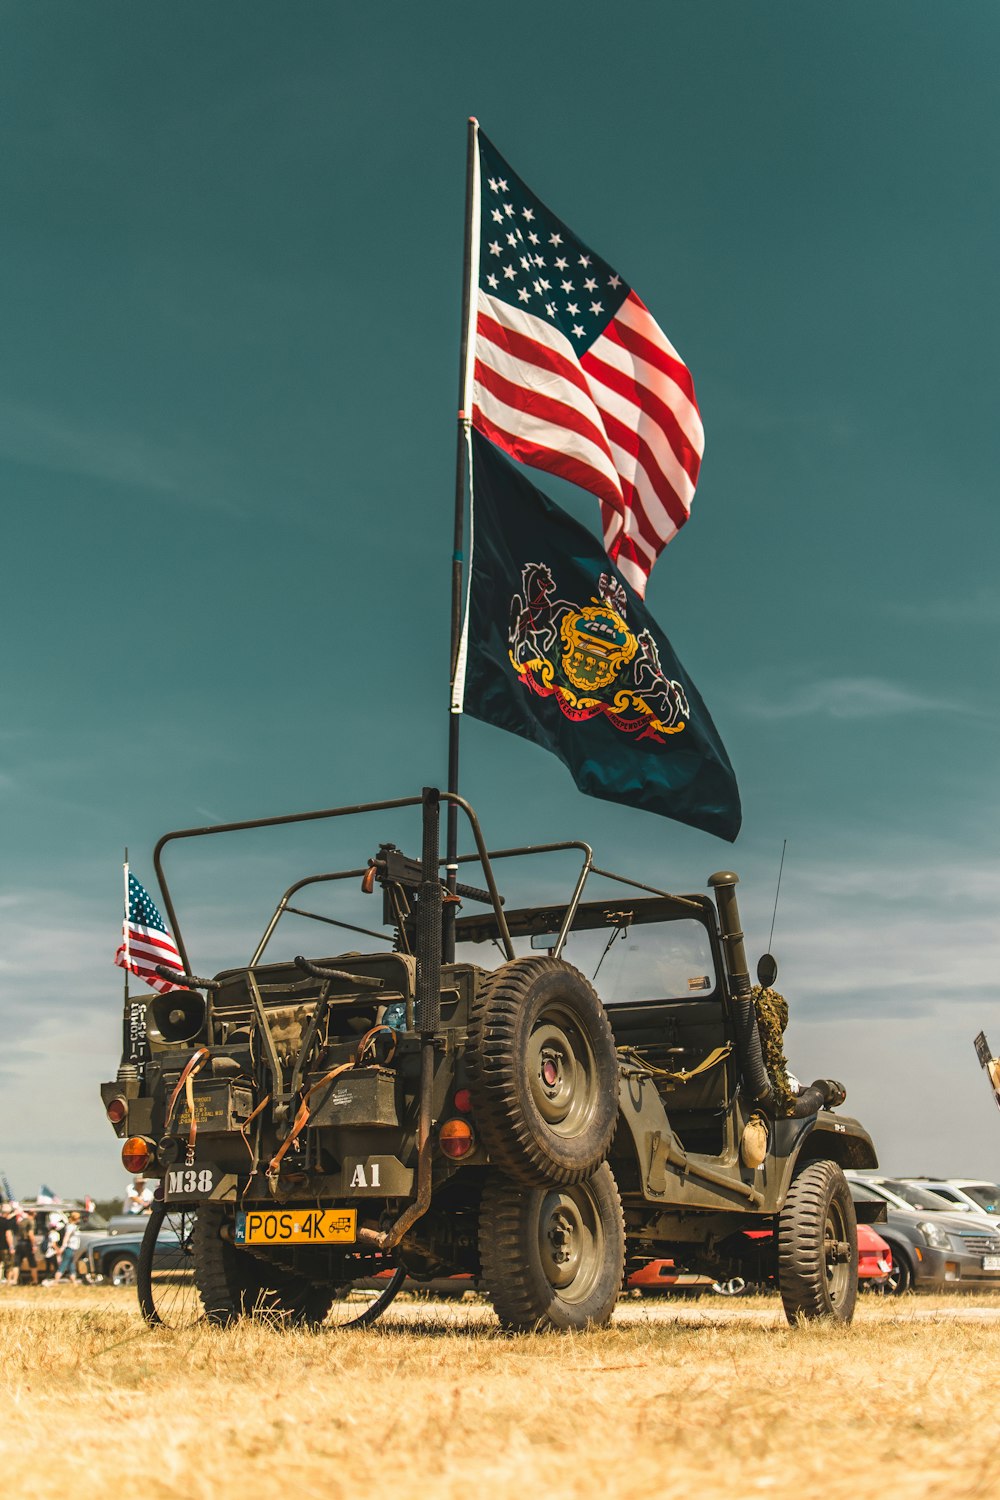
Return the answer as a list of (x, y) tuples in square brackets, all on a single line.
[(932, 1250)]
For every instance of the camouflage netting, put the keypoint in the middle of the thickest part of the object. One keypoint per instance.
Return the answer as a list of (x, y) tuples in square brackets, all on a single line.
[(772, 1018)]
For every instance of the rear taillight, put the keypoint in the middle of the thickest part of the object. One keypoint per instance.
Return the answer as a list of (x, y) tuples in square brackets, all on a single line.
[(463, 1101), (137, 1153), (456, 1138), (116, 1110)]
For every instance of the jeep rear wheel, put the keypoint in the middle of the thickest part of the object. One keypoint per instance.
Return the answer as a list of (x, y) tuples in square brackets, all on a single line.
[(553, 1257), (543, 1072), (818, 1245), (235, 1284)]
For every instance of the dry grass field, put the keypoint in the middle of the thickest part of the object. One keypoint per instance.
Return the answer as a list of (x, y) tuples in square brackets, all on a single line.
[(677, 1398)]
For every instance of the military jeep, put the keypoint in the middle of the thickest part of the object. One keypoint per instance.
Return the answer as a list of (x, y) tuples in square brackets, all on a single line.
[(459, 1099)]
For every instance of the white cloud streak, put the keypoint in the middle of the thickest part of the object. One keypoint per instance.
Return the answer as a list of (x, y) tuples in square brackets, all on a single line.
[(67, 445), (853, 698)]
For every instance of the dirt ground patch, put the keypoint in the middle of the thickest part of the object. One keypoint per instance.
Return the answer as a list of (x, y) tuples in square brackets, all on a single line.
[(707, 1398)]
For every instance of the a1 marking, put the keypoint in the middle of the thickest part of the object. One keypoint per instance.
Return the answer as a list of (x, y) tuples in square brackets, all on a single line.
[(360, 1180)]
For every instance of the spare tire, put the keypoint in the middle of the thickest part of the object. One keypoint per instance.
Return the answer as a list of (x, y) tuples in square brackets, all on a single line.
[(543, 1071)]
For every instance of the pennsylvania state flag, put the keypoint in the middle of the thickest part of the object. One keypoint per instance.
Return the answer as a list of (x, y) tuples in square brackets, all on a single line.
[(563, 652)]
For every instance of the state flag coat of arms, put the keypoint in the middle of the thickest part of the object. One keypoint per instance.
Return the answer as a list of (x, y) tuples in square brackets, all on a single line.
[(562, 651)]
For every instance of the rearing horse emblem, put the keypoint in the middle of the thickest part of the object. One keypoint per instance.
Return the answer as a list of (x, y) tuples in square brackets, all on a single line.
[(589, 659)]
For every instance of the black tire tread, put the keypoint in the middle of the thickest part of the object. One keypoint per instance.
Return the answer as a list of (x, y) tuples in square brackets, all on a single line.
[(904, 1279), (801, 1266), (234, 1284), (492, 1064)]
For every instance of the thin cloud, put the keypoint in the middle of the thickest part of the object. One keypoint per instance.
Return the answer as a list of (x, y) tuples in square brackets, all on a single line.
[(980, 607), (852, 698), (46, 440)]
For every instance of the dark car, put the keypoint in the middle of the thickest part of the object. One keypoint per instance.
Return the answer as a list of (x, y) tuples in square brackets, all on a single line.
[(932, 1251), (115, 1257)]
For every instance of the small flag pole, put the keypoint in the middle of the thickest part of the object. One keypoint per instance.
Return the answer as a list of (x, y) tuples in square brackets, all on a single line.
[(125, 924), (459, 617), (127, 1014)]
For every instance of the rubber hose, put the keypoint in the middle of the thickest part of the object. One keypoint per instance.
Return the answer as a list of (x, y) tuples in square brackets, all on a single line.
[(809, 1102), (748, 1042)]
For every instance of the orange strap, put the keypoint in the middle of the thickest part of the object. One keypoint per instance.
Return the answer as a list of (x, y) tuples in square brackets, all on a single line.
[(291, 1139), (194, 1062)]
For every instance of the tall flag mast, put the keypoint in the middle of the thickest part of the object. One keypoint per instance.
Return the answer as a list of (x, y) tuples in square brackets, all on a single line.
[(463, 465)]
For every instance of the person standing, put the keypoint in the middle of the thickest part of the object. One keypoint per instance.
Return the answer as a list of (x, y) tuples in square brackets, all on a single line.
[(69, 1250), (26, 1250), (53, 1243), (8, 1230)]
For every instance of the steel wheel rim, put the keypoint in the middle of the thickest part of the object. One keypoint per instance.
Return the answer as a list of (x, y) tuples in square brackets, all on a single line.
[(562, 1072), (123, 1273), (571, 1241), (840, 1268)]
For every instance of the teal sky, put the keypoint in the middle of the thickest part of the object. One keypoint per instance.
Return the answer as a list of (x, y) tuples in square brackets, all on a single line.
[(230, 288)]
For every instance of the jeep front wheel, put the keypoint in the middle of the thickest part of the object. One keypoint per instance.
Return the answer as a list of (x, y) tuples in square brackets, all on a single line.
[(553, 1257), (818, 1245), (543, 1071)]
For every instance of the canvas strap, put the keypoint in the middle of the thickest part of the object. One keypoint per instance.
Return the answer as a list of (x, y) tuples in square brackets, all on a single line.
[(682, 1075)]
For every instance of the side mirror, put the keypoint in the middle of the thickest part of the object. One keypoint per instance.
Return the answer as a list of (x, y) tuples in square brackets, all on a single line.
[(767, 970)]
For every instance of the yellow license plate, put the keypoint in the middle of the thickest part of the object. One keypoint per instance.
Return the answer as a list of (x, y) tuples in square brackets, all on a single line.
[(297, 1226)]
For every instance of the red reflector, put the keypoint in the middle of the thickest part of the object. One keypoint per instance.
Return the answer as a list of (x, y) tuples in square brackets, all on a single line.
[(456, 1138), (116, 1111), (463, 1101), (137, 1153)]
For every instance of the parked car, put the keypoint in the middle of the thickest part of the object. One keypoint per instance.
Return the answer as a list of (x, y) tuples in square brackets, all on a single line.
[(932, 1250), (920, 1195), (91, 1225), (986, 1194), (115, 1257), (964, 1193), (874, 1259)]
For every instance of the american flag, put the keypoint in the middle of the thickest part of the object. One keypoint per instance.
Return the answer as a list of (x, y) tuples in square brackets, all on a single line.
[(146, 941), (573, 375)]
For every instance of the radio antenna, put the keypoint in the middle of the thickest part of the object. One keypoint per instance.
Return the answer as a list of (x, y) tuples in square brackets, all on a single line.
[(781, 866)]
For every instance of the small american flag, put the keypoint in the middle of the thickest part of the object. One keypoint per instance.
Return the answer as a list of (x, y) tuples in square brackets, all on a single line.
[(573, 375), (146, 941)]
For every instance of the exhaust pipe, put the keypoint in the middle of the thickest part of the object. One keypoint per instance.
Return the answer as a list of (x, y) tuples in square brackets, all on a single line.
[(748, 1045)]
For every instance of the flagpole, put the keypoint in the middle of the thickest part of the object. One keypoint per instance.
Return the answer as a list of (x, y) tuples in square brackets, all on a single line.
[(470, 279), (127, 1014), (125, 933)]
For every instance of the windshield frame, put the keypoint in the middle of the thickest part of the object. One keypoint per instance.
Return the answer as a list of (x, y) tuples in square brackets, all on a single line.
[(605, 915)]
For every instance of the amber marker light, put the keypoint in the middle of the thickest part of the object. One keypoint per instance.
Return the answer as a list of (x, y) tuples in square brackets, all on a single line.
[(137, 1153), (116, 1111), (456, 1138)]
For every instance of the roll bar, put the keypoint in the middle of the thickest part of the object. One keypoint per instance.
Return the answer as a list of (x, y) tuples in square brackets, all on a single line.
[(356, 809)]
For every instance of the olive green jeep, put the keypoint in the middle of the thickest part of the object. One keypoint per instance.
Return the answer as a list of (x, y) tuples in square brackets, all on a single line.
[(543, 1098)]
